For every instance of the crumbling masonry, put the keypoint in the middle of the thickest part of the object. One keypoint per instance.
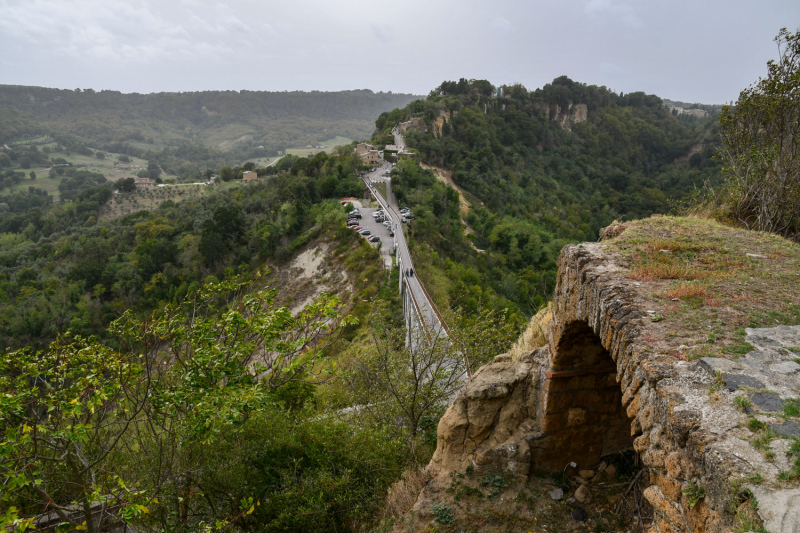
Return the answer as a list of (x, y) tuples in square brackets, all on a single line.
[(599, 387)]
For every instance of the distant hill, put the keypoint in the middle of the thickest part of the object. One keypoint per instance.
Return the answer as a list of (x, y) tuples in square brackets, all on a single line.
[(220, 120)]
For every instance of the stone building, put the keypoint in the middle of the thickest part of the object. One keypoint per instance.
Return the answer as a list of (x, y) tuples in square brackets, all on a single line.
[(373, 157), (144, 183), (363, 148)]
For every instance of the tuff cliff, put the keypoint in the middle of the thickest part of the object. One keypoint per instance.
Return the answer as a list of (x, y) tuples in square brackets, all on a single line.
[(573, 114), (672, 339)]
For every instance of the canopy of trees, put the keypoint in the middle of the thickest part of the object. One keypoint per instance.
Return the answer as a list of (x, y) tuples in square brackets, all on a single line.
[(537, 179)]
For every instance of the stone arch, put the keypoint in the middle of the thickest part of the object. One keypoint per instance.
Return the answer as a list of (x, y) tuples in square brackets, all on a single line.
[(577, 347), (580, 403)]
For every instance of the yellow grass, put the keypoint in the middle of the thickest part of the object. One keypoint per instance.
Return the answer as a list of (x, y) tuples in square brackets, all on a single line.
[(403, 494), (689, 290), (535, 335)]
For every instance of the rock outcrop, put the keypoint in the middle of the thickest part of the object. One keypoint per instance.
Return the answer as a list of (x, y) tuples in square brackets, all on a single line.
[(609, 380), (574, 114)]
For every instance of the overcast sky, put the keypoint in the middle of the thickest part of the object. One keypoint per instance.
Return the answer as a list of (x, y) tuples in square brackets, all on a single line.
[(696, 51)]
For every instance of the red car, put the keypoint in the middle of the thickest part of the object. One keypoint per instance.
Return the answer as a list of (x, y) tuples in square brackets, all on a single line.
[(357, 228)]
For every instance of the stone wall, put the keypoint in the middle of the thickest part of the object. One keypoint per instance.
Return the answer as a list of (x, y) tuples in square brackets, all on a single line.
[(600, 387)]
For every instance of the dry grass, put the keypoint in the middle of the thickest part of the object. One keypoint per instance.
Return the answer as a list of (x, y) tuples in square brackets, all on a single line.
[(708, 282), (535, 335), (665, 270), (687, 291), (403, 494)]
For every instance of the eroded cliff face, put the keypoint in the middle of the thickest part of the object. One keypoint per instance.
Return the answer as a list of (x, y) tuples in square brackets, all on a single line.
[(573, 114), (617, 376), (491, 420)]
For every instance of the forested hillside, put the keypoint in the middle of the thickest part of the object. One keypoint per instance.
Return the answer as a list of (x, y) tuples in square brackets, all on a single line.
[(539, 174), (185, 393), (63, 270), (190, 130)]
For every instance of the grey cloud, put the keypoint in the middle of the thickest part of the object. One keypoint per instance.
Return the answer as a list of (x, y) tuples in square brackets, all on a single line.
[(618, 11), (704, 51), (383, 33), (503, 24)]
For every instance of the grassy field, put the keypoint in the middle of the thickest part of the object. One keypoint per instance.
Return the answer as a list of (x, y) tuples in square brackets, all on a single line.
[(34, 140), (329, 145), (262, 161), (110, 167), (124, 203)]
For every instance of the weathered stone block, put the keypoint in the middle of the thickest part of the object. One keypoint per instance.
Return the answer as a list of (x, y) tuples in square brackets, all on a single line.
[(696, 517), (633, 408), (669, 487), (654, 459), (576, 417), (673, 465), (641, 443), (736, 381), (654, 495), (767, 401)]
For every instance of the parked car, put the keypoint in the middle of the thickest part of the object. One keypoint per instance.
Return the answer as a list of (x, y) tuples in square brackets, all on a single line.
[(391, 234), (365, 232), (374, 238), (357, 228), (351, 223), (403, 220)]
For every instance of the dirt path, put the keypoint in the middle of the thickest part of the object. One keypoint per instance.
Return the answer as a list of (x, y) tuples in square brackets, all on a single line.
[(447, 177)]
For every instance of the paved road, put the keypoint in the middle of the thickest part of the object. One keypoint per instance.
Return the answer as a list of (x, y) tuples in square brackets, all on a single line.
[(398, 139), (426, 307)]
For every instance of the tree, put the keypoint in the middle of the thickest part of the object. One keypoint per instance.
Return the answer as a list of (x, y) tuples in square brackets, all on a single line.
[(226, 173), (25, 162), (761, 152), (221, 233), (78, 420), (407, 384), (33, 175), (153, 170), (126, 185)]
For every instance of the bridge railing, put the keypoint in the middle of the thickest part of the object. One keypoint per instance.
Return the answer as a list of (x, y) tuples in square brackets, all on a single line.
[(385, 205)]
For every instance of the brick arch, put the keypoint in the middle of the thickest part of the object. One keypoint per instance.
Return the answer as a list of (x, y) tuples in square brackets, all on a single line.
[(579, 347), (580, 402)]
